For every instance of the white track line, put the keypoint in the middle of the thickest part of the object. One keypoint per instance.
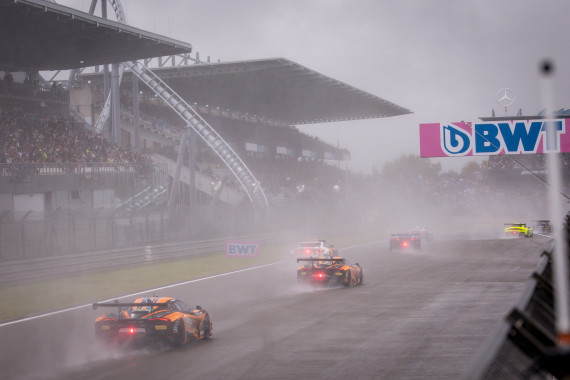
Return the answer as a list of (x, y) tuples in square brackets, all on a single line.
[(160, 288), (134, 294)]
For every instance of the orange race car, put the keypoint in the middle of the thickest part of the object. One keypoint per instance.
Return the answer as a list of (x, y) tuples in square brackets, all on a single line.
[(155, 319), (330, 271)]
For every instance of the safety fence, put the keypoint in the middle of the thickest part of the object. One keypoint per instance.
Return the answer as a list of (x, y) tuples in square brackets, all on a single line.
[(46, 267), (72, 232), (524, 345)]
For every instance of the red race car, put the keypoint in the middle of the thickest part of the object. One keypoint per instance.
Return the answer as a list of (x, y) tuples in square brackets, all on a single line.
[(403, 242)]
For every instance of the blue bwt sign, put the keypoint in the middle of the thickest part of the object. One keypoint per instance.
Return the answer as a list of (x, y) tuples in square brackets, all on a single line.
[(241, 249)]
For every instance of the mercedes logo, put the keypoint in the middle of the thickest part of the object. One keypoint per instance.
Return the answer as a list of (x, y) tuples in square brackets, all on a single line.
[(505, 96)]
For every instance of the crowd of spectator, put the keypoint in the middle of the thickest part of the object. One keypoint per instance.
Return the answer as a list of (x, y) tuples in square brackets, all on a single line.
[(27, 86), (281, 175), (28, 137), (40, 137)]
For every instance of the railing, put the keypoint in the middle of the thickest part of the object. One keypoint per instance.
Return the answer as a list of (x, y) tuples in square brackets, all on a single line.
[(524, 345), (205, 131), (34, 92), (142, 199), (29, 169)]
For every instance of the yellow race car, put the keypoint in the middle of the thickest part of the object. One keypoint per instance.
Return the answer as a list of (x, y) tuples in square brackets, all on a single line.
[(518, 229), (150, 320)]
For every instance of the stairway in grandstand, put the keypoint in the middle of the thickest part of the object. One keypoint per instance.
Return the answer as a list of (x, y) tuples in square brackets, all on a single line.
[(171, 133), (203, 183), (141, 200), (193, 120), (77, 116), (204, 130)]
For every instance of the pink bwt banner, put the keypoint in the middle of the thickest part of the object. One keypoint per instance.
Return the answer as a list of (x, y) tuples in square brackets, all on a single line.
[(490, 138)]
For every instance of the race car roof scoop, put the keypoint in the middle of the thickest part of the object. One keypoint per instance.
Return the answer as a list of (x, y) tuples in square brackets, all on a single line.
[(129, 304), (319, 259)]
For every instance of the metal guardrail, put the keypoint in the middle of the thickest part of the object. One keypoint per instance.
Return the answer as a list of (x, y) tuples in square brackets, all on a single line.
[(524, 345), (42, 268), (29, 169)]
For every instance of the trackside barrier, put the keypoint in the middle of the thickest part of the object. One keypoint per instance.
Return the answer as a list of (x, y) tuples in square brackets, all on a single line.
[(524, 344), (26, 270)]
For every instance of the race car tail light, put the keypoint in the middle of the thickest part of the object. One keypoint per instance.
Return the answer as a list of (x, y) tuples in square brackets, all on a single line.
[(132, 330), (109, 319), (320, 250), (405, 243), (307, 252), (320, 275)]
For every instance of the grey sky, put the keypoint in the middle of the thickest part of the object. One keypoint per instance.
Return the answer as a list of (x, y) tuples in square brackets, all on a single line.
[(444, 60)]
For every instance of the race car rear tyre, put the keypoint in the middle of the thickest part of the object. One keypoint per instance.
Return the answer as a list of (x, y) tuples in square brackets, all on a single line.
[(207, 325), (178, 333), (349, 279), (361, 277)]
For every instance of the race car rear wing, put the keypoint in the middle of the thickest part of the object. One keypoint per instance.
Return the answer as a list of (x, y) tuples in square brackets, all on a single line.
[(319, 259), (129, 304)]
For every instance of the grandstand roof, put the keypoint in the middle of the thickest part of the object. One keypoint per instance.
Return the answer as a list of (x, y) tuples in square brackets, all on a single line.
[(40, 35), (275, 88)]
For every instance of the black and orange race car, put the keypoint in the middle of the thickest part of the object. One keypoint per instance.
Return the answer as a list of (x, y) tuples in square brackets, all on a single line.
[(153, 320), (542, 226), (329, 271), (405, 242)]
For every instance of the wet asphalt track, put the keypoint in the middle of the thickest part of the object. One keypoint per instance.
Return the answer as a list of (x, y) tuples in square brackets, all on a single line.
[(418, 315)]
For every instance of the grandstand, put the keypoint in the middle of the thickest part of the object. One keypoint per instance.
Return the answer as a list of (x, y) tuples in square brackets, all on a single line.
[(67, 156), (254, 105)]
